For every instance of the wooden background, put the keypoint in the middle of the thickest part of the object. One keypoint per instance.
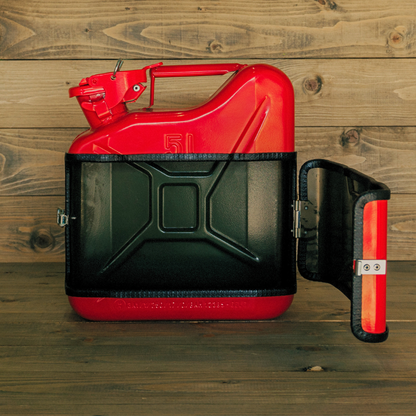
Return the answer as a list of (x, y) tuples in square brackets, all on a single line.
[(352, 64)]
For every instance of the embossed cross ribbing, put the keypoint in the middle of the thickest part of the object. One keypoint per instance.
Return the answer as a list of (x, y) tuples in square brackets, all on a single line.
[(205, 184)]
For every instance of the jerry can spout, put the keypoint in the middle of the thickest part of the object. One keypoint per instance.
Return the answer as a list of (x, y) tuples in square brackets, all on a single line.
[(103, 97)]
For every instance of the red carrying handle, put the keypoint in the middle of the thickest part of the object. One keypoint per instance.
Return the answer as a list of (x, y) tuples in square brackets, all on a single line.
[(189, 71)]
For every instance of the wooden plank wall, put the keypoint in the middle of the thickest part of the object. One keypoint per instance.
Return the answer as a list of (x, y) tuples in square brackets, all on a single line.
[(352, 64)]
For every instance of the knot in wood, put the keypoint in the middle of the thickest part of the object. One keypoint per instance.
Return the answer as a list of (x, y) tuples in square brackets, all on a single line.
[(396, 38), (215, 46), (312, 85), (350, 138), (314, 368), (328, 3), (42, 240)]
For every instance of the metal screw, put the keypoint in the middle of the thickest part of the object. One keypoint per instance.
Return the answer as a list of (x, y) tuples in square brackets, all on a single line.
[(306, 207), (366, 267), (136, 88), (376, 267)]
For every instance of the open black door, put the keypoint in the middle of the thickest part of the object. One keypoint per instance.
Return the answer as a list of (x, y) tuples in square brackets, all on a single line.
[(341, 223)]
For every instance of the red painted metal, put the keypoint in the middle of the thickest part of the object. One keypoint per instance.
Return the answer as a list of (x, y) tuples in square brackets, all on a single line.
[(103, 97), (373, 307), (109, 309), (189, 71), (252, 112)]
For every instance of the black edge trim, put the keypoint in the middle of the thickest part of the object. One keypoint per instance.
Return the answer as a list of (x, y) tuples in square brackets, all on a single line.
[(180, 293), (294, 197), (335, 167), (179, 157), (67, 212)]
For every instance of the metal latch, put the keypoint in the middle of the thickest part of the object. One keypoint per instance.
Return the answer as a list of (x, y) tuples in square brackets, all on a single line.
[(363, 267), (61, 218), (304, 219)]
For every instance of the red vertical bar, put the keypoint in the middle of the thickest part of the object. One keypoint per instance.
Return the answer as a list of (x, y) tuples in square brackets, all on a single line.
[(373, 308)]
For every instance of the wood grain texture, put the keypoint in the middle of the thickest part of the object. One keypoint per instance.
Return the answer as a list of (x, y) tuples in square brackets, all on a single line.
[(220, 393), (29, 233), (328, 92), (32, 160), (402, 227), (28, 229), (388, 154), (53, 362), (227, 29), (360, 112)]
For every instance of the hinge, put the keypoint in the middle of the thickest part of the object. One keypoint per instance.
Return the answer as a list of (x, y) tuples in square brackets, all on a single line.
[(296, 219), (61, 218), (304, 219), (363, 267)]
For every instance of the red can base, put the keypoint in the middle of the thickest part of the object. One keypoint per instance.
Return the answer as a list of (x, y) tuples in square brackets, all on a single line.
[(133, 309)]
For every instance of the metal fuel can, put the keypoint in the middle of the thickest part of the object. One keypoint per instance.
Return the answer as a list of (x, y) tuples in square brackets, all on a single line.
[(194, 214)]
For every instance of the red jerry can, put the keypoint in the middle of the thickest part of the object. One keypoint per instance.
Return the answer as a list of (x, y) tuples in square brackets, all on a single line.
[(194, 214)]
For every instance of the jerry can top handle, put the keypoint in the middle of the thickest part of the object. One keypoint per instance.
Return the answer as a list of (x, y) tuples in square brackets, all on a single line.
[(98, 95), (188, 71)]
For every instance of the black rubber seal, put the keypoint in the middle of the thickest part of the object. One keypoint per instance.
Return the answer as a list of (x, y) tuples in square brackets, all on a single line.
[(180, 293)]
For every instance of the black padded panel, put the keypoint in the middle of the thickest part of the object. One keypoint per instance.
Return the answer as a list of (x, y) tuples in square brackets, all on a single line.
[(338, 195), (188, 227)]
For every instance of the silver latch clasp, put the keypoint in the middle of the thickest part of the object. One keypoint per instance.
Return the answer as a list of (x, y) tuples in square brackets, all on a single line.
[(363, 267), (61, 218)]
